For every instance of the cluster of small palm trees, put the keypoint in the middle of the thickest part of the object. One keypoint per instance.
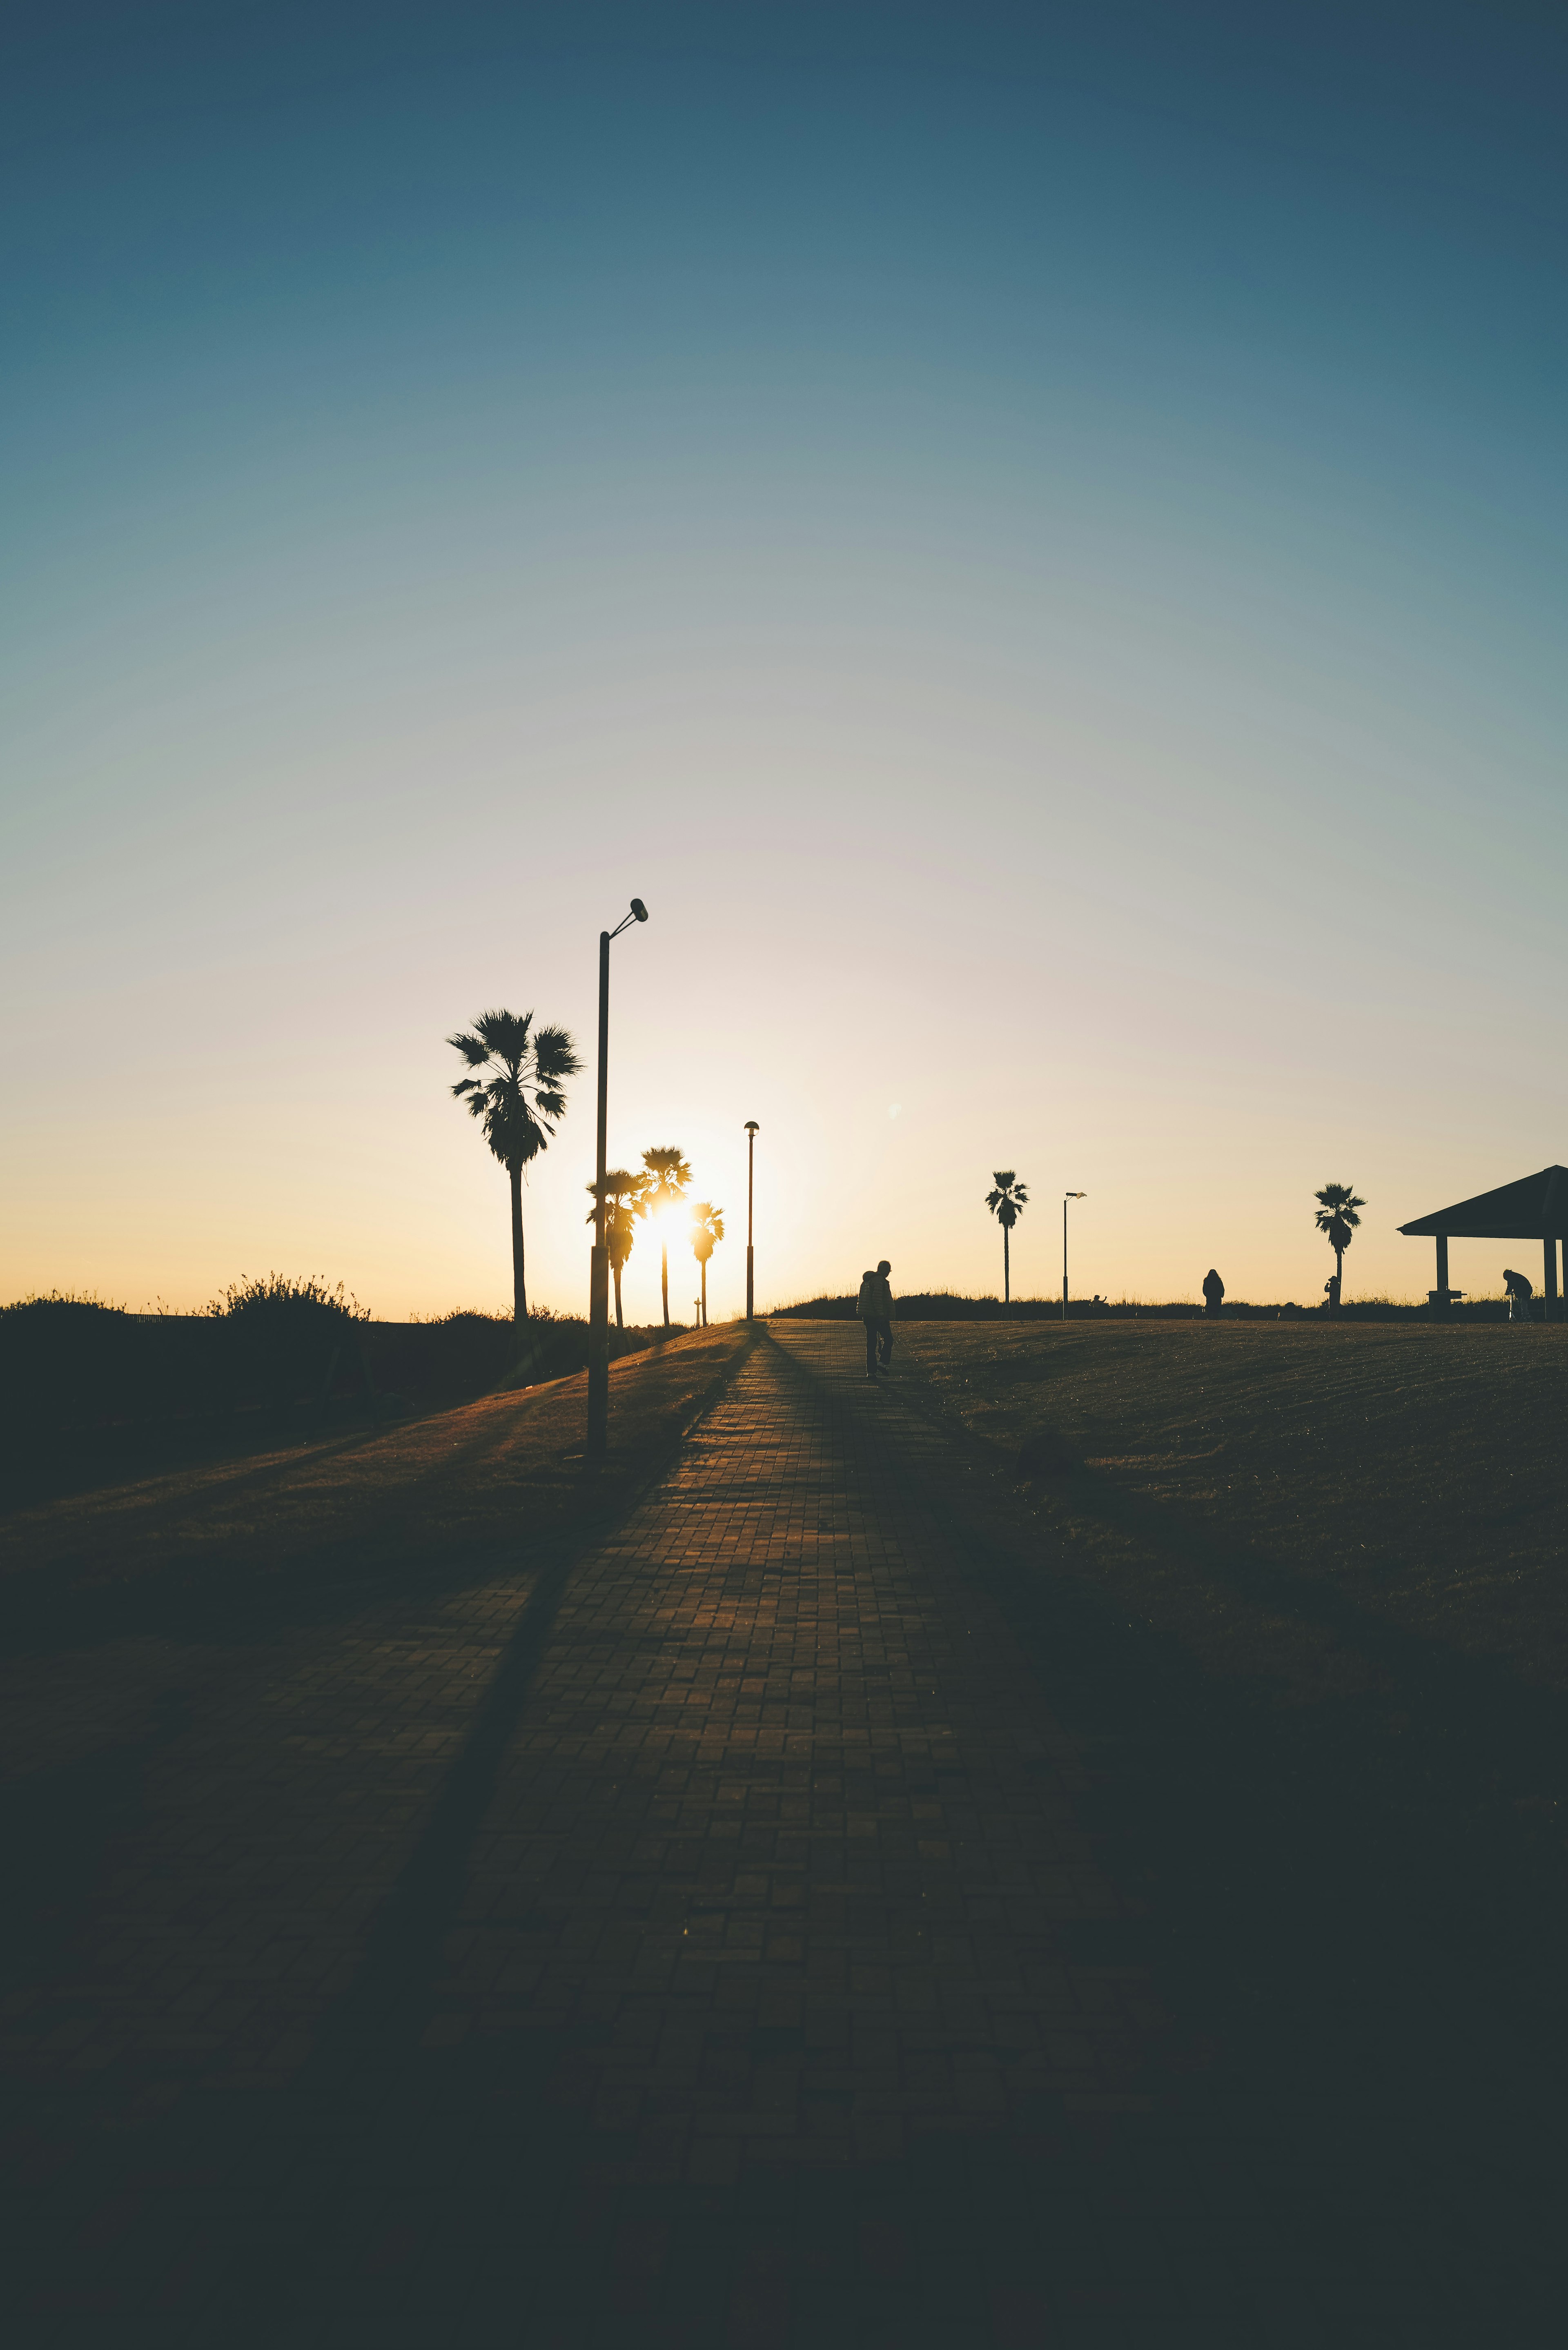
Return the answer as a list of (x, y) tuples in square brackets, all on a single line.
[(515, 1087), (659, 1186)]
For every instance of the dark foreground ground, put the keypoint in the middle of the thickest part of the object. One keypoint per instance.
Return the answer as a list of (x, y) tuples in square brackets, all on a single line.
[(803, 1910)]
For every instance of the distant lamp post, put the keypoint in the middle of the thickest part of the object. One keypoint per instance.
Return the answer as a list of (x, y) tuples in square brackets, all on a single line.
[(598, 1272), (752, 1132), (1065, 1197)]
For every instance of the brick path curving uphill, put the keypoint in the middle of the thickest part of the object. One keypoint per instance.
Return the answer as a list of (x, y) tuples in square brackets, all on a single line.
[(700, 1944)]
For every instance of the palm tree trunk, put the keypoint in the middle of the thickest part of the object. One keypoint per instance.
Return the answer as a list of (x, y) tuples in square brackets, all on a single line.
[(664, 1282), (1006, 1268), (1339, 1276), (620, 1316), (519, 1277), (704, 1292)]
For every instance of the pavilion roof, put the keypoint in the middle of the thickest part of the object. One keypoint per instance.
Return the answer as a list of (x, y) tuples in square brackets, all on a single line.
[(1533, 1209)]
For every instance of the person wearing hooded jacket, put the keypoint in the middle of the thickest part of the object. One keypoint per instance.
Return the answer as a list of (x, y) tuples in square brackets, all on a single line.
[(874, 1308)]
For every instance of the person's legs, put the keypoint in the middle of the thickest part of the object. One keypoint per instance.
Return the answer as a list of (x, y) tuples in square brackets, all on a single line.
[(870, 1348), (885, 1340)]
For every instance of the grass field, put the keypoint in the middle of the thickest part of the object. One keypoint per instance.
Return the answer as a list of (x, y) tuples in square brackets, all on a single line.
[(497, 1472), (1273, 1493)]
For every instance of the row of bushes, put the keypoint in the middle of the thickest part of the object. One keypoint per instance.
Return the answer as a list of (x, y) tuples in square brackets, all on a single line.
[(275, 1344), (942, 1305)]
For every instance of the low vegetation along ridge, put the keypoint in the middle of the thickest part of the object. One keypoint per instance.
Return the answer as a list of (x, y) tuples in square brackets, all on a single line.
[(268, 1356)]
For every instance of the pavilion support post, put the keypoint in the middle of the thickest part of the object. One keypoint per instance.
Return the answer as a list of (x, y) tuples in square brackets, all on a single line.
[(1549, 1310), (1442, 1272)]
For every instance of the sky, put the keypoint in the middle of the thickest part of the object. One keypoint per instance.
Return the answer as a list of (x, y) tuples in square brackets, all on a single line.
[(1033, 537)]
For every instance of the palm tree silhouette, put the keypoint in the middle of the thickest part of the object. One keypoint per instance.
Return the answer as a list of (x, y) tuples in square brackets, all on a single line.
[(516, 1093), (665, 1179), (622, 1190), (1006, 1203), (707, 1232), (1336, 1216)]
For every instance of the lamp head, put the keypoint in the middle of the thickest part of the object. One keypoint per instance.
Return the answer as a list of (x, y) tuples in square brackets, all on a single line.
[(752, 1126), (640, 910)]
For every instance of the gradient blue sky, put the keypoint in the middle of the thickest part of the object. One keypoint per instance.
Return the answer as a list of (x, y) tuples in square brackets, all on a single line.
[(1034, 538)]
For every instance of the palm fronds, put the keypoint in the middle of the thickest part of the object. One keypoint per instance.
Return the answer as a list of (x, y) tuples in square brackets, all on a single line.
[(1336, 1216), (667, 1174), (707, 1230), (1009, 1200), (518, 1095)]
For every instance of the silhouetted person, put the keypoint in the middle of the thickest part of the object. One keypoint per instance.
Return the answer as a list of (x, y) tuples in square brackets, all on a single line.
[(1331, 1292), (866, 1307), (875, 1307), (1213, 1291), (884, 1321), (1519, 1293)]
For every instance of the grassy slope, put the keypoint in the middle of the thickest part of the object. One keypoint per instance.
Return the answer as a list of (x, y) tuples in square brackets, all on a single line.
[(1265, 1490), (484, 1472)]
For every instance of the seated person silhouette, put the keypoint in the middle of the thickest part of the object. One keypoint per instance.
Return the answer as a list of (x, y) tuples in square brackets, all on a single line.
[(1213, 1291), (1518, 1292)]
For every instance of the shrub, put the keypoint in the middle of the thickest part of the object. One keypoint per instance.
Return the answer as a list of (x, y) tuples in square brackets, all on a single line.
[(279, 1336), (457, 1354), (64, 1360)]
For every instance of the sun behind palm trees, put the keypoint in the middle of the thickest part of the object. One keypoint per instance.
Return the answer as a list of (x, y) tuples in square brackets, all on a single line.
[(1006, 1203), (666, 1178), (516, 1093), (707, 1232), (1336, 1216), (622, 1190)]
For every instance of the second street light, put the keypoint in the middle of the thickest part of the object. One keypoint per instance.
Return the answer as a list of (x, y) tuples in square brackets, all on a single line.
[(752, 1131), (598, 1272), (1065, 1197)]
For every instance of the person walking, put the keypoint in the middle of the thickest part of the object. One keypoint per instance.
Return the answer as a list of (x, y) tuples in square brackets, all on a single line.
[(875, 1307), (866, 1308), (884, 1319), (1213, 1291)]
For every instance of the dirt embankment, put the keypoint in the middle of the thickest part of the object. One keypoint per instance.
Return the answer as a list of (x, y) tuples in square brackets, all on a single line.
[(506, 1470)]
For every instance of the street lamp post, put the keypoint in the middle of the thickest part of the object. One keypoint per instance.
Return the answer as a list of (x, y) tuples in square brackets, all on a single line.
[(751, 1157), (1065, 1197), (598, 1266)]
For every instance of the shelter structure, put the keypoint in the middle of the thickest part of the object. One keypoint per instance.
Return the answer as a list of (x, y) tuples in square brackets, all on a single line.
[(1533, 1209)]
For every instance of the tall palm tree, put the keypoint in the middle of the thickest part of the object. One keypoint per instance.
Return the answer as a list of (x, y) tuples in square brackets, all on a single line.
[(707, 1232), (1336, 1216), (1006, 1203), (514, 1088), (665, 1179), (622, 1190)]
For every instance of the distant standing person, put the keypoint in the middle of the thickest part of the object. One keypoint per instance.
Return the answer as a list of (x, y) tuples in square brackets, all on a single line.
[(1331, 1292), (875, 1307), (1519, 1293), (1213, 1291)]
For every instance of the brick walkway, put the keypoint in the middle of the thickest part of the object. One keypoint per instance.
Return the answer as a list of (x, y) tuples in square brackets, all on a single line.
[(699, 1947)]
